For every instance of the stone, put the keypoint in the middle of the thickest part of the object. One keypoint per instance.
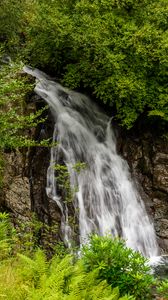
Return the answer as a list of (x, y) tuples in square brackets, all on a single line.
[(25, 177), (16, 189), (17, 197), (163, 243), (160, 177), (162, 228), (161, 158), (148, 161), (161, 208)]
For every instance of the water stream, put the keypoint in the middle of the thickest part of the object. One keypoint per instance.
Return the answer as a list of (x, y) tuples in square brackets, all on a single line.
[(107, 198)]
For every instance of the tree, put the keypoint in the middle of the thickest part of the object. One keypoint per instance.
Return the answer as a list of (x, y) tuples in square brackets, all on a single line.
[(14, 118), (16, 121), (116, 49)]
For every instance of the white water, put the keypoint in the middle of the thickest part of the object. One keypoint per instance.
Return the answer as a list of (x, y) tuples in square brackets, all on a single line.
[(107, 198)]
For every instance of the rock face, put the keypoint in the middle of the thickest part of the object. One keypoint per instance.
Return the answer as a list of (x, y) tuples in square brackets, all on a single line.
[(16, 190), (25, 178), (147, 155)]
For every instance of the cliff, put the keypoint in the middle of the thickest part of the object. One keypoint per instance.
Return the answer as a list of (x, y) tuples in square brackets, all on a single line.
[(25, 178)]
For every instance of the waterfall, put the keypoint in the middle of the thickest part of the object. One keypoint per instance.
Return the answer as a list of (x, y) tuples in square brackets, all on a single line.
[(107, 200)]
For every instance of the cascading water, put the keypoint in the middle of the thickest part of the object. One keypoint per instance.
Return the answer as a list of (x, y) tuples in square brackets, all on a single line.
[(107, 199)]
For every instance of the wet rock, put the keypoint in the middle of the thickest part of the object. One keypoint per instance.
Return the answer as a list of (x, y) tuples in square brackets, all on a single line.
[(147, 156), (161, 267), (24, 188), (163, 244), (162, 227), (161, 208), (44, 207), (160, 177), (25, 177)]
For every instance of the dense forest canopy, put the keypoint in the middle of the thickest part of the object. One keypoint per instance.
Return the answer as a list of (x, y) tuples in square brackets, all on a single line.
[(117, 49)]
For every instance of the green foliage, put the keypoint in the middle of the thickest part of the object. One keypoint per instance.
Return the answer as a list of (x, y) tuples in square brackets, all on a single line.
[(119, 265), (29, 235), (34, 277), (17, 120), (25, 237), (79, 166), (67, 193), (11, 21), (116, 49), (163, 288), (105, 269), (14, 120), (63, 181), (5, 236)]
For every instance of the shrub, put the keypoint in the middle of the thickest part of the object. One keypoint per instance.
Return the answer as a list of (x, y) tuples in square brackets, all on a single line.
[(119, 265), (5, 236), (15, 118), (162, 288), (34, 277), (116, 49)]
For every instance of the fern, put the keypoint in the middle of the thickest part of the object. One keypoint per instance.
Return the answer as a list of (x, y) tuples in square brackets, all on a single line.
[(5, 235), (54, 285), (33, 269), (35, 278), (67, 282)]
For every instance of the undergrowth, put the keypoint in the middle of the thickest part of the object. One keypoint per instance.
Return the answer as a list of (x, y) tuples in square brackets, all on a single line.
[(105, 270)]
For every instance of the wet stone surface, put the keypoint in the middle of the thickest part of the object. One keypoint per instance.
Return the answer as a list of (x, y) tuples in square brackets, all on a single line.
[(147, 156)]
